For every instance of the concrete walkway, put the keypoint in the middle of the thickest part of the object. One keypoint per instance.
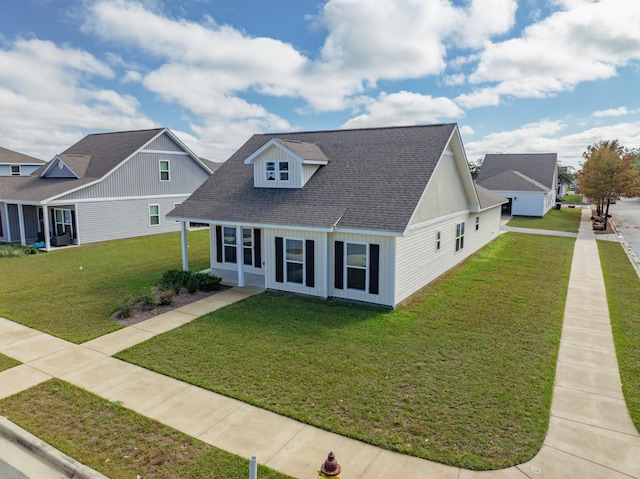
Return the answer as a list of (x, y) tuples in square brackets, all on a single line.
[(590, 432)]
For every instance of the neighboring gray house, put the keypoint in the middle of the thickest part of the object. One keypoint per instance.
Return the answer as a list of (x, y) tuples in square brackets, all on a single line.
[(107, 186), (369, 215), (13, 163), (527, 180)]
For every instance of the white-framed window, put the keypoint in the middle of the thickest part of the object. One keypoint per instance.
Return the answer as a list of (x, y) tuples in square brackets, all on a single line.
[(230, 242), (277, 171), (459, 236), (477, 223), (63, 222), (283, 171), (247, 246), (174, 207), (356, 266), (154, 215), (294, 260), (164, 170), (438, 239), (15, 170)]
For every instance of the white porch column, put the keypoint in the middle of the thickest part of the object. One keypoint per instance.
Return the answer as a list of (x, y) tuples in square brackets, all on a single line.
[(45, 226), (212, 245), (239, 256), (185, 252), (23, 240)]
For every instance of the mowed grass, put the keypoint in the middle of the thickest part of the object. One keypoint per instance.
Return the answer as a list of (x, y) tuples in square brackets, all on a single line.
[(71, 293), (462, 374), (572, 199), (623, 290), (7, 362), (116, 441), (566, 219)]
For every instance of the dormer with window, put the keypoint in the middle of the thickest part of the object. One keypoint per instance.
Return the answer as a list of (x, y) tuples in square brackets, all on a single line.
[(282, 163)]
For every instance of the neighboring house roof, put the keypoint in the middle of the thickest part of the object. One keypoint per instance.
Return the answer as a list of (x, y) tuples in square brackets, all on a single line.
[(373, 181), (540, 167), (489, 198), (212, 165), (13, 157), (513, 181), (90, 159)]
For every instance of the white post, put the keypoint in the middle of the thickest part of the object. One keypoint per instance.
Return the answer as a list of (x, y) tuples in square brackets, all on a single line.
[(253, 467), (240, 256), (45, 226), (23, 240), (212, 245), (185, 252)]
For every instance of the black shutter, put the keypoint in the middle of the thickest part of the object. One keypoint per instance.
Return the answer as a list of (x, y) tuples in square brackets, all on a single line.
[(339, 265), (279, 260), (309, 263), (374, 268), (219, 244), (257, 248)]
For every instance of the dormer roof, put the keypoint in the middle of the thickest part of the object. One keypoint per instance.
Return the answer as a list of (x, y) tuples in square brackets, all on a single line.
[(305, 152)]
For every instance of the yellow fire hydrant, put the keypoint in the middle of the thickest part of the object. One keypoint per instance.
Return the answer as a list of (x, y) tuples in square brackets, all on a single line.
[(330, 468)]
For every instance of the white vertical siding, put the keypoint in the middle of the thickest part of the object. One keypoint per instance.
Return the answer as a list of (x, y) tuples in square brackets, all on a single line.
[(109, 220), (273, 153), (528, 203), (418, 262), (163, 143), (386, 278), (269, 257)]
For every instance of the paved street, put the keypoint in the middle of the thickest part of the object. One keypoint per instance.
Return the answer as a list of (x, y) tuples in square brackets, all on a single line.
[(626, 216)]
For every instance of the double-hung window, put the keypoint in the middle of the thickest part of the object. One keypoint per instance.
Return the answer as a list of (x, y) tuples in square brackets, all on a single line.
[(62, 221), (230, 245), (356, 265), (438, 239), (154, 215), (15, 170), (277, 171), (294, 258), (164, 170), (247, 246), (459, 236)]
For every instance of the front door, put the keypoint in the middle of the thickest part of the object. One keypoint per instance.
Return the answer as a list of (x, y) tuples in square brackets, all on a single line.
[(506, 207)]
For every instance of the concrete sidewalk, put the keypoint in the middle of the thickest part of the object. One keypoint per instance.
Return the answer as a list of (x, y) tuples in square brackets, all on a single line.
[(590, 434)]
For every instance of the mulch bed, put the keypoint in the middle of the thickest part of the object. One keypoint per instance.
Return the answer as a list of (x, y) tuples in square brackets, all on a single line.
[(608, 231)]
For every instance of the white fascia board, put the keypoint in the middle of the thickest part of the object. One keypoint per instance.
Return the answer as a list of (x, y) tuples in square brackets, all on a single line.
[(433, 221), (50, 166), (249, 224), (116, 198), (272, 142), (367, 232)]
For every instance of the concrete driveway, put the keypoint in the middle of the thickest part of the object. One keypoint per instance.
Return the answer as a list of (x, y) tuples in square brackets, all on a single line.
[(626, 217)]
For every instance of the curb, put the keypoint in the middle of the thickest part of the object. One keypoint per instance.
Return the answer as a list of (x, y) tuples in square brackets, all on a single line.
[(635, 261), (70, 468)]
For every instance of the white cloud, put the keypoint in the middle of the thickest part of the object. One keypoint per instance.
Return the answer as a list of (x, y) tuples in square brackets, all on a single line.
[(586, 41), (48, 96), (405, 108), (621, 111), (456, 79)]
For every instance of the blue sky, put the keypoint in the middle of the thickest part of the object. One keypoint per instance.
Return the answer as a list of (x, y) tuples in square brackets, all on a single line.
[(517, 76)]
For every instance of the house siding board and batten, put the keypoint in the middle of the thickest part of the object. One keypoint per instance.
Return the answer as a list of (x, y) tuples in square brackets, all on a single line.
[(367, 213)]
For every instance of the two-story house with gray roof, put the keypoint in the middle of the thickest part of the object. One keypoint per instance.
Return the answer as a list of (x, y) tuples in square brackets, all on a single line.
[(106, 186), (13, 163), (369, 215), (528, 181)]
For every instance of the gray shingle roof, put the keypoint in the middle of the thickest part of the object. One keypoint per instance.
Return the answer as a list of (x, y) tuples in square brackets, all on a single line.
[(306, 151), (488, 198), (513, 181), (540, 167), (15, 158), (373, 181), (93, 156)]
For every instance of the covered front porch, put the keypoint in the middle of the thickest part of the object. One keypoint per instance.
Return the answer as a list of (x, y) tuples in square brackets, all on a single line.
[(230, 278), (27, 224)]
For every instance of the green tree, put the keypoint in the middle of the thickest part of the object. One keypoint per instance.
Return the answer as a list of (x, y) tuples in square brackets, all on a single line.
[(608, 173), (474, 168)]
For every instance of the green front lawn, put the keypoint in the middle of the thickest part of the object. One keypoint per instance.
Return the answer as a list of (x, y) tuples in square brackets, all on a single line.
[(71, 293), (623, 288), (7, 362), (572, 199), (566, 219), (116, 441), (462, 374)]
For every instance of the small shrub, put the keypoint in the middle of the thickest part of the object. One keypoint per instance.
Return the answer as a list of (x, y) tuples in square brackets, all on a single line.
[(193, 283), (207, 282), (174, 279), (10, 250), (127, 305), (148, 299), (165, 297)]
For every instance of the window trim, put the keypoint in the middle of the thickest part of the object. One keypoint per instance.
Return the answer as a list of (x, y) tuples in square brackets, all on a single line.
[(366, 267), (275, 175), (250, 247), (302, 262), (152, 215), (63, 222), (459, 236), (167, 171), (438, 239), (175, 205), (17, 172), (225, 245), (477, 223)]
